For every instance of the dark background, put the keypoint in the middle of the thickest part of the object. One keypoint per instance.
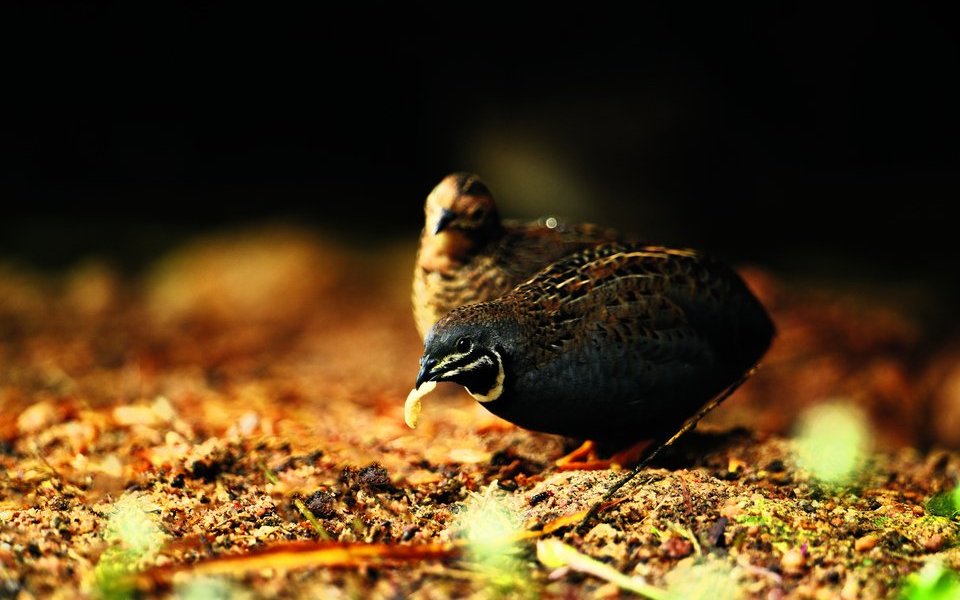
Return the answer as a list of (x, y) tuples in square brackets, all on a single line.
[(811, 140)]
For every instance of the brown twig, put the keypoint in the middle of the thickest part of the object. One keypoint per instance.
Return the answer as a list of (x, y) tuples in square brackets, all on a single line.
[(299, 555)]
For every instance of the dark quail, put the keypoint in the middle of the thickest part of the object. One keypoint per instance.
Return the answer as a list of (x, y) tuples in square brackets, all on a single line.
[(616, 343), (467, 254)]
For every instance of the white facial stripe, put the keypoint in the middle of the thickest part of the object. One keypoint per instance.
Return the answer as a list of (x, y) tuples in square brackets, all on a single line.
[(449, 359), (483, 360), (497, 388)]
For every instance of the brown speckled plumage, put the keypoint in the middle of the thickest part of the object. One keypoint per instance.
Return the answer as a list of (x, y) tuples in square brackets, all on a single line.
[(475, 256), (618, 342)]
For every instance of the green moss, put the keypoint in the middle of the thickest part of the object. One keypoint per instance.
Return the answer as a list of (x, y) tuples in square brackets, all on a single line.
[(882, 522), (490, 526), (135, 537), (763, 515)]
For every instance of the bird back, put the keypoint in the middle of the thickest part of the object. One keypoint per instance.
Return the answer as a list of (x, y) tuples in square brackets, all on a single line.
[(626, 340)]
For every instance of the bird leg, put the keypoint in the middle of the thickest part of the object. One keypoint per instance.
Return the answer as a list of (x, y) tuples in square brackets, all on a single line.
[(586, 453), (631, 455), (687, 426), (585, 457)]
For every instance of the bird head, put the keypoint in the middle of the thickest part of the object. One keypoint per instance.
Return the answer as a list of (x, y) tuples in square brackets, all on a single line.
[(468, 347), (461, 202)]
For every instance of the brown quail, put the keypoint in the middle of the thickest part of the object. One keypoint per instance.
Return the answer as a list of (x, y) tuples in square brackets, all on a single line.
[(467, 254), (617, 343)]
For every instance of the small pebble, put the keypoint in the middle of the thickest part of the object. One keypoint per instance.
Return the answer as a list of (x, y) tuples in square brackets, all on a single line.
[(676, 547), (918, 511), (715, 533), (933, 543), (136, 415), (851, 588), (793, 561), (36, 417), (731, 509), (865, 543)]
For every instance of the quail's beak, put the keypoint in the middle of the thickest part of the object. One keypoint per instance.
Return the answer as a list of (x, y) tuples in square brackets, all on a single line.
[(446, 217), (426, 371)]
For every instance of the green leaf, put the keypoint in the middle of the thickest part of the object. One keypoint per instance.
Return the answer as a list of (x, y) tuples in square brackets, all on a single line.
[(945, 504)]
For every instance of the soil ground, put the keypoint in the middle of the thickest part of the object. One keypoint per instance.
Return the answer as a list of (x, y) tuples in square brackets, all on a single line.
[(155, 425)]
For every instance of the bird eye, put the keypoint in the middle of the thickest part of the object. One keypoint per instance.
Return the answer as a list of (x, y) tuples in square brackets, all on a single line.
[(463, 344)]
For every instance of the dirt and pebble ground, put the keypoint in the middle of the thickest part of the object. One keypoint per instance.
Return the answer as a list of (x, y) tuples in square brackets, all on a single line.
[(153, 423)]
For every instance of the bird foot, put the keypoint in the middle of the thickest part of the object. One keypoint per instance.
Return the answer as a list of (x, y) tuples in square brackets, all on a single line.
[(585, 458), (586, 453)]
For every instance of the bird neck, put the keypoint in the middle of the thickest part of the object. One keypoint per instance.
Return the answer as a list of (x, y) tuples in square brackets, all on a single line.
[(484, 388), (449, 249)]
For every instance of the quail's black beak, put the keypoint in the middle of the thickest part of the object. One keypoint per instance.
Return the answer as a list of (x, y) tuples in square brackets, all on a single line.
[(446, 217), (426, 371)]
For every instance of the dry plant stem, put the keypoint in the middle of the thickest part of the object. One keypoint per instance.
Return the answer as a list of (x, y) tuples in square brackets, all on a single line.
[(300, 555), (39, 456), (687, 426), (306, 512), (685, 532), (313, 520), (556, 554)]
